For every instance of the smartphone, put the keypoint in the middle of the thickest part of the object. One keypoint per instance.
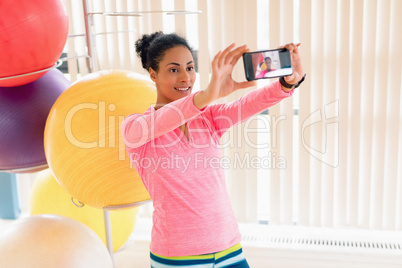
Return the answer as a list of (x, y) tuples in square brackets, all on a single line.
[(267, 64)]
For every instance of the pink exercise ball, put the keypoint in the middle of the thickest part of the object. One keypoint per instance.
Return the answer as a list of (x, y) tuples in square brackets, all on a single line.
[(33, 34), (47, 241), (23, 113)]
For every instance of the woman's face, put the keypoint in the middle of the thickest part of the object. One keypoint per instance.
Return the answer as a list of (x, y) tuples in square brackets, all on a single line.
[(268, 63), (176, 75)]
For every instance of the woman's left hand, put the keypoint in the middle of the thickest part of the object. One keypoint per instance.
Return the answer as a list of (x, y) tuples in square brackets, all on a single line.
[(296, 64)]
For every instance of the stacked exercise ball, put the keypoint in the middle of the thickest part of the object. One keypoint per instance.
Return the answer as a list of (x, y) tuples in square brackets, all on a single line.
[(48, 241), (72, 129), (33, 34), (23, 113), (83, 144), (48, 197)]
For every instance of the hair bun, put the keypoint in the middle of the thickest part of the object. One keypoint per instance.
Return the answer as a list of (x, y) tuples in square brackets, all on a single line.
[(142, 46), (151, 48)]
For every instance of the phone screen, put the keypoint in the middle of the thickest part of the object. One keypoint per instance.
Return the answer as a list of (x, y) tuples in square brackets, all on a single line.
[(267, 64)]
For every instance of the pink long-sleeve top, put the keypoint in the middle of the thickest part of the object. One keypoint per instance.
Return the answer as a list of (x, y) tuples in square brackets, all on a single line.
[(185, 179)]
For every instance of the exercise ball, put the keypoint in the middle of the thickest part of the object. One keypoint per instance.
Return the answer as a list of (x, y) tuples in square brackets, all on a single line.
[(33, 34), (48, 197), (83, 144), (23, 113), (43, 241)]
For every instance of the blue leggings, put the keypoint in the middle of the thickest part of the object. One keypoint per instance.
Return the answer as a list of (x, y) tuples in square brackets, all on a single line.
[(232, 257)]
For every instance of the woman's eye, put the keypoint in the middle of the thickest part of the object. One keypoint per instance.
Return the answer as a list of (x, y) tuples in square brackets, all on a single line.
[(174, 70), (190, 68)]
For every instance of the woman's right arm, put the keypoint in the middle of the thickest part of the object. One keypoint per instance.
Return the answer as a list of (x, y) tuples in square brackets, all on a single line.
[(221, 83), (138, 129)]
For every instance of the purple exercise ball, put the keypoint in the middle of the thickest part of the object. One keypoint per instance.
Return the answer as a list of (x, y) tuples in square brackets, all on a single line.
[(23, 113)]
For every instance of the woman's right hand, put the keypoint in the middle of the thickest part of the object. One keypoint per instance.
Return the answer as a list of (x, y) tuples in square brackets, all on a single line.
[(222, 83)]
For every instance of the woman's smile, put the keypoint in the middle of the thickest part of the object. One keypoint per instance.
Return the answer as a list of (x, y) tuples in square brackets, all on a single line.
[(182, 88)]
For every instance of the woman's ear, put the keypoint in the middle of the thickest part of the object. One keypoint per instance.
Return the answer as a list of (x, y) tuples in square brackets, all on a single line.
[(152, 74)]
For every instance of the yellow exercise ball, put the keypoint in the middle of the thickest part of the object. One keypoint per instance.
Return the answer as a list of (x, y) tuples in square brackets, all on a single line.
[(48, 241), (83, 144), (48, 197)]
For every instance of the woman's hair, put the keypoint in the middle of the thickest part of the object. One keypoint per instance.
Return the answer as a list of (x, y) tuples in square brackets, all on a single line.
[(152, 47)]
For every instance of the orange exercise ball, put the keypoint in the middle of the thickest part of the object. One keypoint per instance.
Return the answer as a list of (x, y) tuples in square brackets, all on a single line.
[(48, 197), (48, 241), (33, 34), (83, 144)]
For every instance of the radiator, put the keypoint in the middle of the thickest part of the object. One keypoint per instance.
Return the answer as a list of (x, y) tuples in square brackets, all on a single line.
[(302, 247)]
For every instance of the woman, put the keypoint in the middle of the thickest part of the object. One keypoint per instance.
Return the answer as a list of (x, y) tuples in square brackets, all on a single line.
[(174, 146), (267, 69)]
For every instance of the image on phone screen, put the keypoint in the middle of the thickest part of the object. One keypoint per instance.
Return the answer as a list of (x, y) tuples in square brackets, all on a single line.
[(267, 64)]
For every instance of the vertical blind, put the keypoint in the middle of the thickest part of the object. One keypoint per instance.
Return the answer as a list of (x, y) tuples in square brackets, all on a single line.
[(335, 147)]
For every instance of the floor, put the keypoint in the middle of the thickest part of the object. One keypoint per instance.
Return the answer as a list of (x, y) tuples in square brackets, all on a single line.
[(133, 256), (135, 253)]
